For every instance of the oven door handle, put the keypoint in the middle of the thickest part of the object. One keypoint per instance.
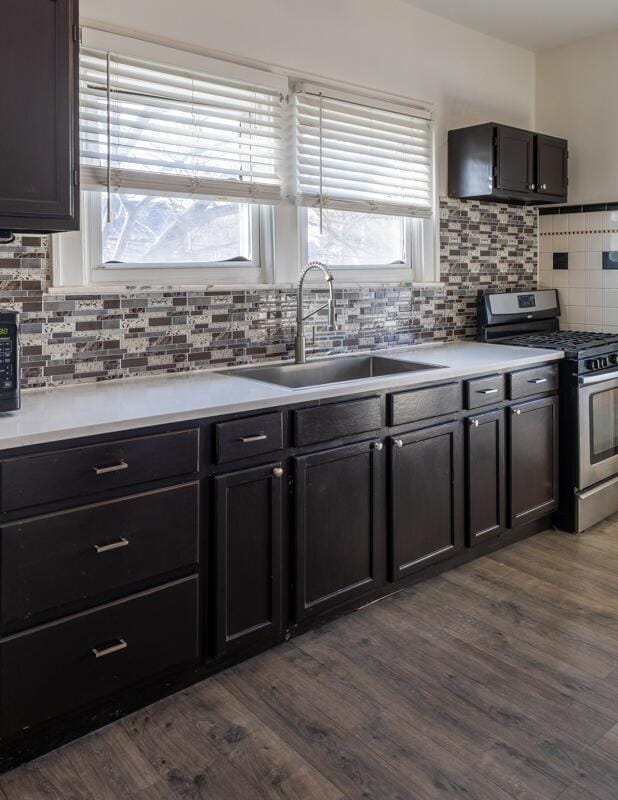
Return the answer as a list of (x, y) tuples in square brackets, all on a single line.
[(587, 380)]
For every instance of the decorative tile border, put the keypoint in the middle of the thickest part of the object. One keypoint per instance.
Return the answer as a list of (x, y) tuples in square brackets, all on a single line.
[(68, 338)]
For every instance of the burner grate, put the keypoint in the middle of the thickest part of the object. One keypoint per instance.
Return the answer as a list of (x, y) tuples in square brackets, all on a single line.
[(563, 340)]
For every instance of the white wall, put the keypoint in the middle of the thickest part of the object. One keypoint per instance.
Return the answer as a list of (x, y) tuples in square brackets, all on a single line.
[(385, 45), (576, 99)]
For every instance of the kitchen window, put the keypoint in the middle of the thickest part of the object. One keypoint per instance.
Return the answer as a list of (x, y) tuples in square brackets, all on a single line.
[(363, 172), (188, 179)]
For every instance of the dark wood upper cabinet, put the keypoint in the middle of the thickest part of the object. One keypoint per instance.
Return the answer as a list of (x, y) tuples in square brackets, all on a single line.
[(533, 459), (551, 165), (426, 498), (249, 509), (506, 164), (39, 135), (514, 160), (340, 530)]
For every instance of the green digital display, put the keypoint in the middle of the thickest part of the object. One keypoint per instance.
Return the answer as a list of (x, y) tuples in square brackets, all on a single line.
[(4, 331)]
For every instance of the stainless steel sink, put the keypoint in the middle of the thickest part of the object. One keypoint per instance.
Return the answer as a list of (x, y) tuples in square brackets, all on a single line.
[(337, 370)]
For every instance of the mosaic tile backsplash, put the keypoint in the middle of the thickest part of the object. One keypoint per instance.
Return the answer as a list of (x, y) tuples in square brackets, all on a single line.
[(94, 337)]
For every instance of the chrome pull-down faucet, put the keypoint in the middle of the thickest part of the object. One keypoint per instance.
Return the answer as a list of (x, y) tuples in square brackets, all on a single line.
[(300, 319)]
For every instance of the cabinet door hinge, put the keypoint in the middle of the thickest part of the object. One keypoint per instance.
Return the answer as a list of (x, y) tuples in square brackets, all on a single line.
[(77, 33), (75, 177)]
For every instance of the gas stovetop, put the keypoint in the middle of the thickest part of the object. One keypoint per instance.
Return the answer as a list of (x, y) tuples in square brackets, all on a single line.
[(573, 343), (532, 319)]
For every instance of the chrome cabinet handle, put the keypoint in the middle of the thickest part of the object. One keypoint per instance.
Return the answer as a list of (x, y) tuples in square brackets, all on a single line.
[(474, 423), (377, 446), (105, 548), (543, 186), (488, 391), (517, 411), (532, 187), (260, 437), (538, 380), (277, 472), (398, 442), (101, 652), (112, 468)]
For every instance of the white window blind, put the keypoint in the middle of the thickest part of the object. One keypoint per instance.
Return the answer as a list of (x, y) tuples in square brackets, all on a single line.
[(357, 154), (151, 128)]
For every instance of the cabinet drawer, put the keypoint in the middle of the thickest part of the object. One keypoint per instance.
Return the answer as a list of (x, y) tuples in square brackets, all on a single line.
[(335, 420), (527, 382), (81, 471), (426, 403), (69, 558), (243, 438), (64, 666), (484, 391)]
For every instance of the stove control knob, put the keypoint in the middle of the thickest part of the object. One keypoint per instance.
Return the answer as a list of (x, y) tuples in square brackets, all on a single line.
[(603, 363), (613, 359), (593, 364)]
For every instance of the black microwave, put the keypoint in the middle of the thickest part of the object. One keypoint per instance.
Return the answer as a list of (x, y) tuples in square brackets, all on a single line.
[(9, 361)]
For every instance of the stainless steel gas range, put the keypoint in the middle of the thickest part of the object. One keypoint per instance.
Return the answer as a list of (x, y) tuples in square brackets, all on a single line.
[(588, 398)]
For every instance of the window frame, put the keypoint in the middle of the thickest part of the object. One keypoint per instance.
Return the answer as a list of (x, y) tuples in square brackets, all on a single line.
[(279, 240), (418, 251), (168, 273)]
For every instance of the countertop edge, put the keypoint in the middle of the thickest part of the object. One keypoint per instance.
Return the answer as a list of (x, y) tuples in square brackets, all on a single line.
[(278, 396)]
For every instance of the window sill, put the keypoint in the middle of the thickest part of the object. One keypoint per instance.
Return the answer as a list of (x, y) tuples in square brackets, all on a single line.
[(231, 287)]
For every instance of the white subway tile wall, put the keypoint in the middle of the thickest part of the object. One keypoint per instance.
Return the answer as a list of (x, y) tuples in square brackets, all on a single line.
[(588, 293)]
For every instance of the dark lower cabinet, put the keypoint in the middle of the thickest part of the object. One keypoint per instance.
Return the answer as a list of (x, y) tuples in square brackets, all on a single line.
[(248, 521), (55, 564), (533, 459), (426, 497), (485, 476), (340, 527), (68, 665)]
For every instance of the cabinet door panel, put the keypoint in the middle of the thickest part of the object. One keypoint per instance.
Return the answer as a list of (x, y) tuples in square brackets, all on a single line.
[(551, 165), (248, 535), (38, 137), (427, 509), (533, 459), (339, 527), (515, 159), (485, 476)]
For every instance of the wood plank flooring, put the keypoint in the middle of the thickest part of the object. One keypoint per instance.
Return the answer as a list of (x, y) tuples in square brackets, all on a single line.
[(495, 681)]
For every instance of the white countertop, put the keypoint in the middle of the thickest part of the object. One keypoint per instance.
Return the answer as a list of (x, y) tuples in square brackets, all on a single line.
[(69, 412)]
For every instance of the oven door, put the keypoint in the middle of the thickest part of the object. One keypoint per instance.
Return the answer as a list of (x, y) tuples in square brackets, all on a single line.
[(598, 428)]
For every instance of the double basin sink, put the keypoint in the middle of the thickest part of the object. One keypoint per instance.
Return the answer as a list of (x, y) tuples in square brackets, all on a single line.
[(336, 370)]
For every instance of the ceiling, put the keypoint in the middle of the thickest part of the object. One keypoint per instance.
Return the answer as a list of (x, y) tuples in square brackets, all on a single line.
[(532, 24)]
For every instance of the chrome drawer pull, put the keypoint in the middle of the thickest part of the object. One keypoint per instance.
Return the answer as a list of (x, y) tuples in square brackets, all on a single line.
[(488, 391), (105, 548), (398, 442), (112, 468), (277, 472), (538, 380), (474, 423), (517, 411), (110, 649), (260, 437)]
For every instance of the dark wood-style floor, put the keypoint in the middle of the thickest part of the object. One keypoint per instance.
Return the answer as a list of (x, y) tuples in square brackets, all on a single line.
[(497, 680)]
